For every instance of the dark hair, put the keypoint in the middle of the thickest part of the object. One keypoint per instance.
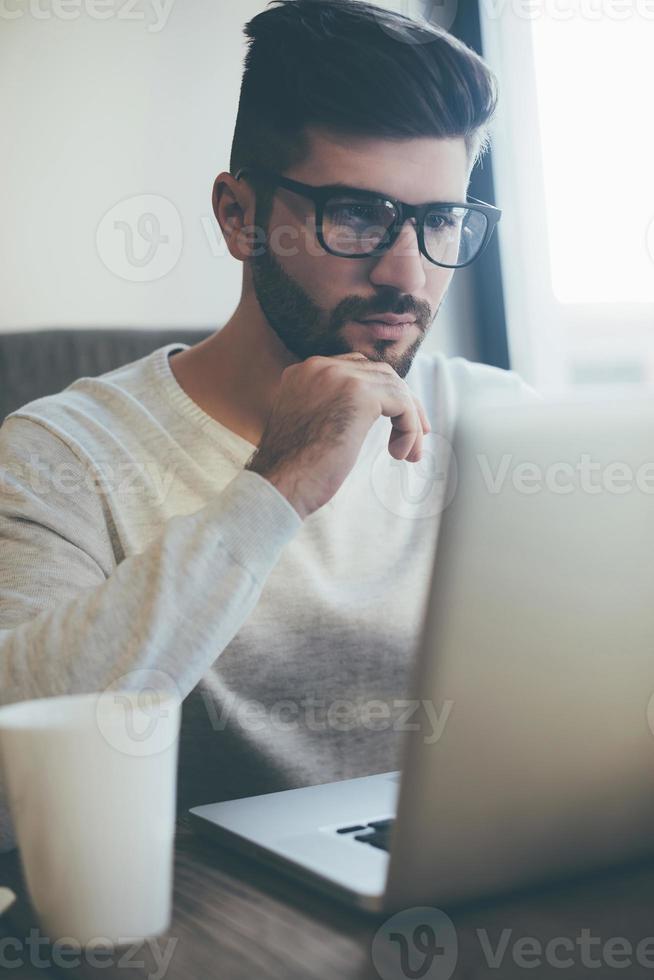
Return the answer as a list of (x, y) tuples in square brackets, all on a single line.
[(355, 69)]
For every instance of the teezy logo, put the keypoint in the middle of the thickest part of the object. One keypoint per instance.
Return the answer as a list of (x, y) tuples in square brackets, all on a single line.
[(650, 239), (416, 490), (416, 944), (137, 713), (140, 239), (439, 13)]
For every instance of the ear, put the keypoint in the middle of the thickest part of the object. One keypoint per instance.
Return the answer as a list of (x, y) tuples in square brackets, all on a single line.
[(234, 205)]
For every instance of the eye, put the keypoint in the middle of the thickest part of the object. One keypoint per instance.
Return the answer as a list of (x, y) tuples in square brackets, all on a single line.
[(436, 220), (353, 211)]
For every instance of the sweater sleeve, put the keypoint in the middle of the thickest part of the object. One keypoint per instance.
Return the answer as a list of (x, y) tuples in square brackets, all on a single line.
[(73, 621)]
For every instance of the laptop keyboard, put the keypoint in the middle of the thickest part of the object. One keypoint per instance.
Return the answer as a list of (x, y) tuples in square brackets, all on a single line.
[(377, 833)]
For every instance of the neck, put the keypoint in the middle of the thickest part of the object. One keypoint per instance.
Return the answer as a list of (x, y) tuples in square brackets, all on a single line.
[(234, 374)]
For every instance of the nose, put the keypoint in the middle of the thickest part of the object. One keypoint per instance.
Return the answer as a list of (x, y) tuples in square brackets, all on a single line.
[(402, 265)]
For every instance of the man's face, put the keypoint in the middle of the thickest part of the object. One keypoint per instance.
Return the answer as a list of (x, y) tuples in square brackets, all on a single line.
[(314, 300)]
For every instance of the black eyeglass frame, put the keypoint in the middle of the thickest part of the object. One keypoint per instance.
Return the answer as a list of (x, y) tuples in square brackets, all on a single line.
[(320, 196)]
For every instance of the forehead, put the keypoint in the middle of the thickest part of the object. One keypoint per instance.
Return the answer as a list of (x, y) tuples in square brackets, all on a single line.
[(412, 170)]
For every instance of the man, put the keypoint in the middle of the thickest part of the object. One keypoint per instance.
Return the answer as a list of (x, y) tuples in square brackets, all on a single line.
[(236, 521)]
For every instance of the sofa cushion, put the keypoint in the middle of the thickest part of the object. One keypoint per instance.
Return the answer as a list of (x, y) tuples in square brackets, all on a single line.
[(34, 363)]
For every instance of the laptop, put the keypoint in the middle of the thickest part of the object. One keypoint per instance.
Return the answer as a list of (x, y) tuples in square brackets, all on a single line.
[(539, 633)]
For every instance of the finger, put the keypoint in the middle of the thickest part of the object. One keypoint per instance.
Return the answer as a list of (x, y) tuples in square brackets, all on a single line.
[(386, 371), (386, 375), (407, 428), (426, 426), (422, 429), (411, 439), (405, 445), (415, 453)]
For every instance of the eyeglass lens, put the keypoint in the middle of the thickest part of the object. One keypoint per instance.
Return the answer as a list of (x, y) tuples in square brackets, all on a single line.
[(453, 235)]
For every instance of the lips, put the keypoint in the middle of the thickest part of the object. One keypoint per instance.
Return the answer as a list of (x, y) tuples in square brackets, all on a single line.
[(388, 331), (391, 319)]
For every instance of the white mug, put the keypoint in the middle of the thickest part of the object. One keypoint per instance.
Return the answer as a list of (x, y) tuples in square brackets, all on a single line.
[(91, 781)]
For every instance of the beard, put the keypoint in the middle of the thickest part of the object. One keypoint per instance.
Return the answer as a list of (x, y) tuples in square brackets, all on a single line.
[(306, 330)]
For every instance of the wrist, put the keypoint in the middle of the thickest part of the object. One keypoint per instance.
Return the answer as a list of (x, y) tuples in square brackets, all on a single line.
[(287, 487)]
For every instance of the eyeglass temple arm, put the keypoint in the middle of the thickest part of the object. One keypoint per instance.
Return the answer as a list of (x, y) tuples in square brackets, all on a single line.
[(476, 200)]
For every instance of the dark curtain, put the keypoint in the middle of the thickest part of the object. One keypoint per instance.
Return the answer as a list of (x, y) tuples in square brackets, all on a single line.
[(488, 296)]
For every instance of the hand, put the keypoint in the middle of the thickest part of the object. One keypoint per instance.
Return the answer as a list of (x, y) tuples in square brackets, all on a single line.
[(323, 411)]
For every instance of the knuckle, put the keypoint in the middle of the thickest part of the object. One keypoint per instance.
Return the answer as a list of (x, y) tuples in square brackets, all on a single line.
[(387, 369), (300, 368), (356, 386), (332, 365), (331, 372)]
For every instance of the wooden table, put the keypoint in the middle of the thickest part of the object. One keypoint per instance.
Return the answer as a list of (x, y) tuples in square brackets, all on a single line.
[(235, 919)]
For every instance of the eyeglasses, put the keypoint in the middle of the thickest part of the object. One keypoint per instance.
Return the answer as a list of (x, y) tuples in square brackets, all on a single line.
[(356, 224)]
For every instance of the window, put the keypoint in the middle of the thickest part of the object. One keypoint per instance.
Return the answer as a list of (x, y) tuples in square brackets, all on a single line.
[(574, 170)]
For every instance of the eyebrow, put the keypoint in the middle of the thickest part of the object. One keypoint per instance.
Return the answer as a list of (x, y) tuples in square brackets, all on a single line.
[(362, 190)]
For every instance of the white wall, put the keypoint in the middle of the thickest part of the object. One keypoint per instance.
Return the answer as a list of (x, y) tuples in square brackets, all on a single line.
[(137, 108)]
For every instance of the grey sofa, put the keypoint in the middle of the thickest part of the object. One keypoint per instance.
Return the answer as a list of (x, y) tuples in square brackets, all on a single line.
[(42, 362)]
